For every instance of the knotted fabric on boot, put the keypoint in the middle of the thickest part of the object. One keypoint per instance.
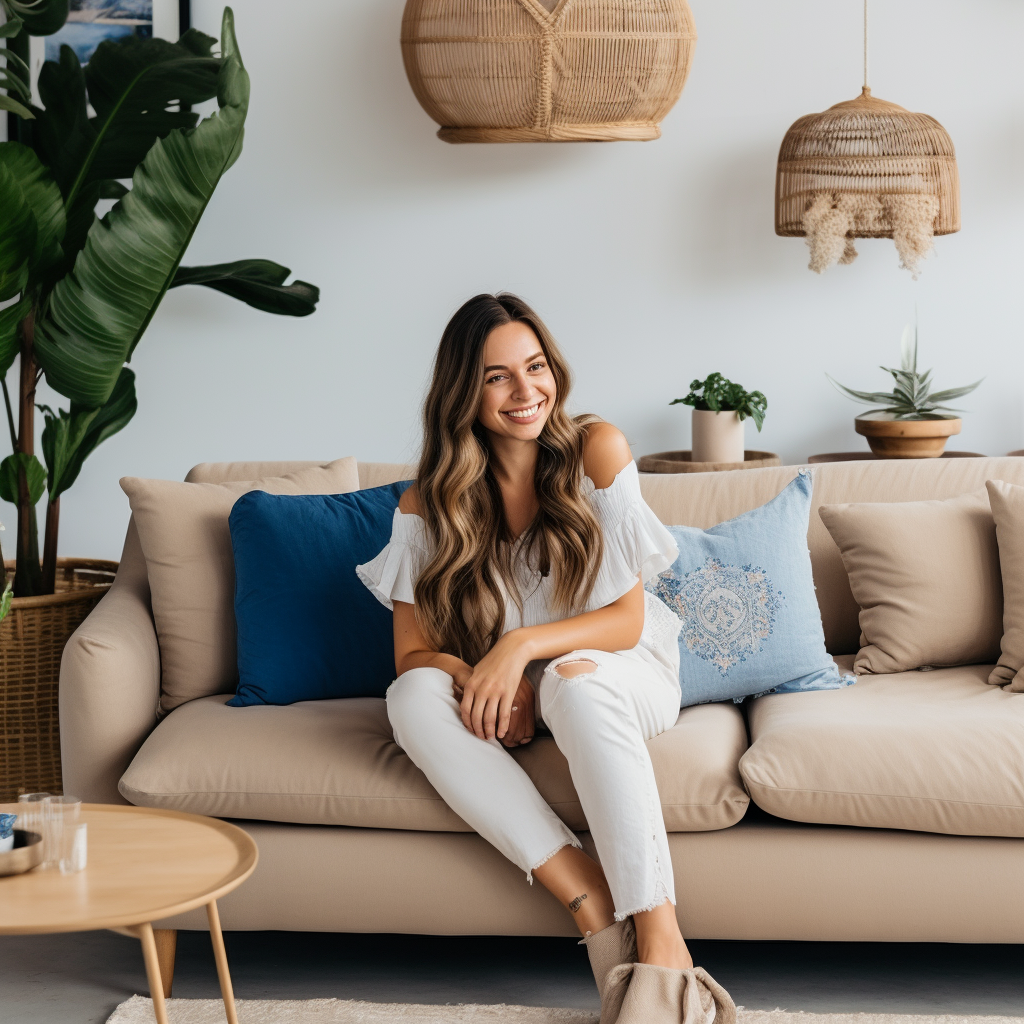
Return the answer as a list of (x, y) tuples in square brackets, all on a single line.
[(646, 994)]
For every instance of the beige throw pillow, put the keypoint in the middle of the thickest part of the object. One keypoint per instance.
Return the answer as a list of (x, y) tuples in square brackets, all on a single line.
[(926, 577), (184, 533), (1008, 512)]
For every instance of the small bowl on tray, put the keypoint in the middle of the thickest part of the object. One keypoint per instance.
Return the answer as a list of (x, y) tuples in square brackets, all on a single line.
[(27, 853)]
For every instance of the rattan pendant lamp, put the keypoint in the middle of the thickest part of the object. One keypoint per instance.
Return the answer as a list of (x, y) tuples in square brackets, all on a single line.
[(547, 70), (866, 168)]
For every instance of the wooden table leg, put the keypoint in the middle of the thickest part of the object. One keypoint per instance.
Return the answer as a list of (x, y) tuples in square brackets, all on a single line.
[(166, 947), (156, 985), (221, 956)]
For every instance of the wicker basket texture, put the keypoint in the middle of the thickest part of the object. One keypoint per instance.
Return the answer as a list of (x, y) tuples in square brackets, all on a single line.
[(32, 639), (866, 146), (540, 71)]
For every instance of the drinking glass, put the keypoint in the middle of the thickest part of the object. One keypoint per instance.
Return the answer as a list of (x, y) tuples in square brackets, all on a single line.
[(30, 812), (74, 848), (61, 817)]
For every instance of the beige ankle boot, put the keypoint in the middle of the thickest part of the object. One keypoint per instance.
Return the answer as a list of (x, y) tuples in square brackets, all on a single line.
[(645, 994), (609, 948)]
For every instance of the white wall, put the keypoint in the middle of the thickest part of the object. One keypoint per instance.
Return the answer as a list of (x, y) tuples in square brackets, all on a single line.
[(653, 263)]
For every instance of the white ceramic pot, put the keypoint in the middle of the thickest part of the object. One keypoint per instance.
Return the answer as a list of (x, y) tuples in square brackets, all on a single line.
[(717, 436)]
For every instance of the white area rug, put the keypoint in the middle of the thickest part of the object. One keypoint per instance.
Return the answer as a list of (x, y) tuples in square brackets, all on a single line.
[(139, 1010)]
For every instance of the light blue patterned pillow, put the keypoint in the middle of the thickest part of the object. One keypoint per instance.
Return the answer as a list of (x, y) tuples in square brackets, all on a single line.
[(745, 593)]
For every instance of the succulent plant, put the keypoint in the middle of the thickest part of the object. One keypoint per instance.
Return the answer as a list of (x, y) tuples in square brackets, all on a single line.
[(912, 397), (719, 394)]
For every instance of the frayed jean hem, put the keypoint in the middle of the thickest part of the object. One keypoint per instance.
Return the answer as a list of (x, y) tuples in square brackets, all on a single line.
[(574, 842)]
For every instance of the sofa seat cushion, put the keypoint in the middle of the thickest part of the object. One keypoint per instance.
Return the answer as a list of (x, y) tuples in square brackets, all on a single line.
[(334, 762), (938, 751)]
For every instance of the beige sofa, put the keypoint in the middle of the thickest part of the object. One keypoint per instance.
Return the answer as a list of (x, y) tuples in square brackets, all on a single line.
[(353, 838)]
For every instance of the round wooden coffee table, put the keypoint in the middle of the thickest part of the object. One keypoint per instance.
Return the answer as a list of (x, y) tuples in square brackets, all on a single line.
[(143, 865)]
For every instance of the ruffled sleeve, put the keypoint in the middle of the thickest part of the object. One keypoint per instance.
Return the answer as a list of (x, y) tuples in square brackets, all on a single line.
[(391, 576), (635, 541)]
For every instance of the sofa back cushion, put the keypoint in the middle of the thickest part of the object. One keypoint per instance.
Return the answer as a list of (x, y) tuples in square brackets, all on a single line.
[(183, 529), (704, 499), (1007, 501), (926, 577), (307, 627)]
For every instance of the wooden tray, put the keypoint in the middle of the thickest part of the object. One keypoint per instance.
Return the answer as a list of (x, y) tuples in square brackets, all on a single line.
[(682, 462)]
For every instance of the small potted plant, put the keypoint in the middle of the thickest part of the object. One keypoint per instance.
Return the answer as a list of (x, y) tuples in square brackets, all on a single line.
[(911, 421), (719, 410)]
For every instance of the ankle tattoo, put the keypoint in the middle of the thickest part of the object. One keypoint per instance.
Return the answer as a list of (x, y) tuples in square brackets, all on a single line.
[(575, 904)]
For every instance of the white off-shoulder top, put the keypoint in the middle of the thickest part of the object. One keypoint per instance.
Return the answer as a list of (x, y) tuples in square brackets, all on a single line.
[(635, 544)]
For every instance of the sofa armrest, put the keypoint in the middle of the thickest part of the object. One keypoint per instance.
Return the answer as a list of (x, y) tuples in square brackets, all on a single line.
[(110, 683)]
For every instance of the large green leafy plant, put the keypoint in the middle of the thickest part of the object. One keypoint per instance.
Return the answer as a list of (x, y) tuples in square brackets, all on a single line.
[(80, 291)]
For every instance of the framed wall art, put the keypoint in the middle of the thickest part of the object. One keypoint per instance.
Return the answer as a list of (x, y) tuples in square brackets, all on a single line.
[(91, 22)]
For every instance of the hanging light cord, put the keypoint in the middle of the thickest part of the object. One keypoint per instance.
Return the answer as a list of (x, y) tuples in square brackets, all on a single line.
[(865, 44)]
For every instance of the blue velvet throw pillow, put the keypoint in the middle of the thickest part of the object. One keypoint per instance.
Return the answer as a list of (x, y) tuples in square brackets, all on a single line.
[(307, 627), (745, 593)]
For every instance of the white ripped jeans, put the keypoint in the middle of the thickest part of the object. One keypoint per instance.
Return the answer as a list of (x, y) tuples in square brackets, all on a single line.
[(600, 720)]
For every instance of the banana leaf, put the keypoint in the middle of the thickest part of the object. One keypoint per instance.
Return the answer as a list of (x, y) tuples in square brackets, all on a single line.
[(40, 17), (131, 83), (97, 315), (18, 233), (40, 194), (34, 473), (69, 438), (14, 79), (63, 133), (10, 317), (258, 283)]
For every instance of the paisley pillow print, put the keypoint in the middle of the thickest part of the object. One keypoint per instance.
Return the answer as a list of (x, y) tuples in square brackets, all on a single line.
[(745, 595)]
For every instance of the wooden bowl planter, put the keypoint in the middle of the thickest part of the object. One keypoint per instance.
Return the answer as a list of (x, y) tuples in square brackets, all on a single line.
[(907, 439), (547, 70), (32, 639)]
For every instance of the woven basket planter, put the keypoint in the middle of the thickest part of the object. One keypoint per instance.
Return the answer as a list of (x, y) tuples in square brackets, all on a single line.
[(32, 639), (873, 149), (546, 71)]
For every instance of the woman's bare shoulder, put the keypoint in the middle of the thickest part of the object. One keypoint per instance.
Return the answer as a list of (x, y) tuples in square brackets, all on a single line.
[(605, 454), (409, 502)]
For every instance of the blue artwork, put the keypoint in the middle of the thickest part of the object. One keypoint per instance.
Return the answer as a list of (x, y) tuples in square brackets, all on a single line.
[(91, 22)]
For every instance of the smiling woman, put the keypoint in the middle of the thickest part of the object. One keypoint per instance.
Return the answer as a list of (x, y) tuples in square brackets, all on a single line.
[(497, 361), (514, 571)]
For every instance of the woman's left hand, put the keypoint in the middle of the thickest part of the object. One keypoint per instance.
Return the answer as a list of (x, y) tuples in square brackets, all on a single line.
[(488, 694)]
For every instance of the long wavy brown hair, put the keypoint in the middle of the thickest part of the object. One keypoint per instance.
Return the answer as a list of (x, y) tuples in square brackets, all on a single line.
[(460, 594)]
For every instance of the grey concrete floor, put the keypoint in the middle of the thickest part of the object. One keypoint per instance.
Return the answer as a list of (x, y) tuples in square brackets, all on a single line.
[(79, 979)]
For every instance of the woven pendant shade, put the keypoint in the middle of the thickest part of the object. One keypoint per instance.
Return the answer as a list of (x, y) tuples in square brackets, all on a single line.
[(882, 170), (541, 71)]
